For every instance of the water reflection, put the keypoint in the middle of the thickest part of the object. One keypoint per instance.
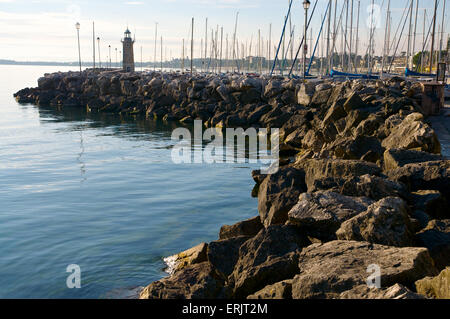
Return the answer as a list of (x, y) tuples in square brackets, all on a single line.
[(136, 127)]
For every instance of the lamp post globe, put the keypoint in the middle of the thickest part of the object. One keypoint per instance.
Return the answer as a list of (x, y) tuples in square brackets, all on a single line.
[(306, 4)]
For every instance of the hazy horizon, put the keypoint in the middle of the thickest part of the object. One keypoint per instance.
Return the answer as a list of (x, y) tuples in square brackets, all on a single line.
[(44, 30)]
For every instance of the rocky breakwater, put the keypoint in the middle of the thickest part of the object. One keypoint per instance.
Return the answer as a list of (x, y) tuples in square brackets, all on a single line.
[(363, 184)]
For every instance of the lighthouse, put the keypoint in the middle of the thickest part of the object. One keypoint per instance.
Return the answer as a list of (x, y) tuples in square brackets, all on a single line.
[(128, 53)]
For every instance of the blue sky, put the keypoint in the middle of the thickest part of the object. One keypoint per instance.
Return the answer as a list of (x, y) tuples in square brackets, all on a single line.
[(44, 30)]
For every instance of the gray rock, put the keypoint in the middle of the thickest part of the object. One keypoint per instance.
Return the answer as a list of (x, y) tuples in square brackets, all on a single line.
[(356, 147), (320, 97), (433, 175), (413, 133), (436, 237), (278, 193), (334, 113), (279, 290), (373, 187), (269, 257), (396, 291), (437, 287), (223, 254), (354, 102), (199, 281), (396, 158), (249, 227), (305, 93), (385, 222), (327, 270), (313, 140), (321, 213), (369, 126), (272, 89), (194, 255), (335, 169), (431, 202)]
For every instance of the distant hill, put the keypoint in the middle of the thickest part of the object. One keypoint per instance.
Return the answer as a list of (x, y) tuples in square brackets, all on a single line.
[(12, 62)]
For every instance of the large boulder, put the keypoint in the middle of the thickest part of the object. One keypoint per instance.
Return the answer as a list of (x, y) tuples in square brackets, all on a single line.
[(436, 237), (273, 88), (320, 97), (336, 169), (369, 126), (373, 187), (305, 93), (334, 113), (396, 158), (434, 175), (396, 291), (267, 258), (249, 227), (199, 281), (186, 258), (321, 213), (437, 287), (385, 222), (355, 148), (254, 116), (279, 290), (223, 254), (278, 193), (431, 202), (327, 270), (413, 133), (354, 102)]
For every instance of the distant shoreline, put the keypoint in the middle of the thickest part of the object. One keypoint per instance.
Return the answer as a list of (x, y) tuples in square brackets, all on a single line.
[(36, 63)]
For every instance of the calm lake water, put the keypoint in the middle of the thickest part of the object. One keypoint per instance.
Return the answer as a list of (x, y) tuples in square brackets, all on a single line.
[(102, 192)]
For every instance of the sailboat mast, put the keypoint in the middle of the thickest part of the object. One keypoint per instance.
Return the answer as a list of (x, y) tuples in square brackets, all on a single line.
[(345, 67), (334, 36), (442, 32), (433, 36), (93, 42), (192, 46), (221, 47), (357, 39), (234, 38), (423, 39), (330, 3), (408, 54), (182, 58), (351, 37), (206, 43), (385, 38), (270, 47), (156, 39), (369, 60), (415, 29)]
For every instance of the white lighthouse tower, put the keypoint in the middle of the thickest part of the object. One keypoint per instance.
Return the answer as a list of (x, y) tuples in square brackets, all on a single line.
[(128, 53)]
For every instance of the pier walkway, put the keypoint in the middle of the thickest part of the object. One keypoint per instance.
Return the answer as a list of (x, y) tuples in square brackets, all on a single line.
[(441, 125)]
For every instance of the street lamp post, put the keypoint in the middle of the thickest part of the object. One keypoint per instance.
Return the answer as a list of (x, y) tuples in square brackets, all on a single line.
[(77, 26), (109, 46), (99, 56), (306, 5), (116, 59)]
